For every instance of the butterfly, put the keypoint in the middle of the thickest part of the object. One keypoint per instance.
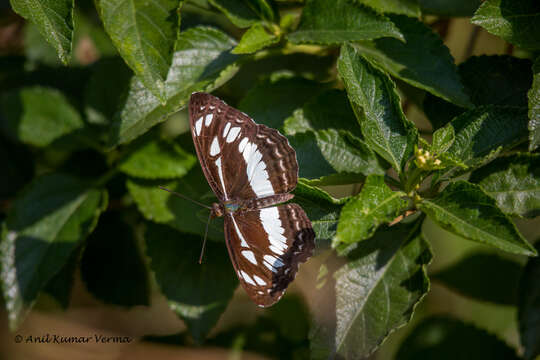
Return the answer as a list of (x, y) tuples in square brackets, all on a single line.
[(251, 168)]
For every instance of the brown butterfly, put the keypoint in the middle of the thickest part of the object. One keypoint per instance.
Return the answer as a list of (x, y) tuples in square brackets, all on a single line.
[(251, 168)]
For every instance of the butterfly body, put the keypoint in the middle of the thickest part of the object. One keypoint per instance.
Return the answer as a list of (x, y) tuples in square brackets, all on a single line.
[(252, 168)]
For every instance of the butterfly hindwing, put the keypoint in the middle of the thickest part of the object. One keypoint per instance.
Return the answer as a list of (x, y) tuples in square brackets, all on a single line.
[(266, 246), (240, 159)]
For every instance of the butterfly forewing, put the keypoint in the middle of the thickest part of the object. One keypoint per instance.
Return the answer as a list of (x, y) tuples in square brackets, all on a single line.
[(259, 160), (266, 246)]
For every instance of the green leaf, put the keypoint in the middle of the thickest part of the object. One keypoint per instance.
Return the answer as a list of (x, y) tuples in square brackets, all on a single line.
[(383, 123), (153, 158), (112, 267), (466, 210), (244, 13), (38, 116), (104, 90), (201, 62), (339, 21), (162, 207), (449, 8), (376, 293), (321, 209), (271, 102), (486, 277), (404, 7), (44, 226), (484, 132), (489, 80), (515, 21), (54, 19), (144, 34), (197, 293), (443, 139), (255, 39), (534, 107), (422, 60), (330, 150), (376, 204), (514, 183), (443, 338), (529, 308)]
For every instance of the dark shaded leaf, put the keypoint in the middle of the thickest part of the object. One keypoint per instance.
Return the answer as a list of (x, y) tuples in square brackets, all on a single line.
[(482, 276), (529, 308), (54, 19), (198, 293), (449, 7), (144, 34), (422, 60), (376, 292), (271, 102), (384, 126), (61, 284), (514, 21), (340, 21), (376, 204), (201, 62), (104, 90), (45, 225), (466, 210), (112, 267), (514, 182), (443, 338), (489, 80)]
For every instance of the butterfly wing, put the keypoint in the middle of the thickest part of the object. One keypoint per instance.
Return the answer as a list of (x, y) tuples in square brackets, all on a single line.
[(240, 159), (266, 246)]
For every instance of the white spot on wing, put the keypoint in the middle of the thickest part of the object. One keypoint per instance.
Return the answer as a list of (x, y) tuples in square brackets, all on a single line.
[(220, 173), (198, 126), (247, 278), (259, 281), (256, 170), (233, 133), (250, 256), (208, 119), (243, 242), (272, 225), (214, 148), (242, 144), (226, 130)]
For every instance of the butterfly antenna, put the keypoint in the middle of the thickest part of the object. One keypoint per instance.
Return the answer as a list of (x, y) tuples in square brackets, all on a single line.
[(205, 236), (185, 197)]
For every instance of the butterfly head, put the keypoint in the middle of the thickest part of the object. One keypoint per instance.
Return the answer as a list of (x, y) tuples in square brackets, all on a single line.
[(217, 210)]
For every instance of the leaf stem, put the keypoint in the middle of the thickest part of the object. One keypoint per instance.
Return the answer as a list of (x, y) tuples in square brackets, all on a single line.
[(105, 178)]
